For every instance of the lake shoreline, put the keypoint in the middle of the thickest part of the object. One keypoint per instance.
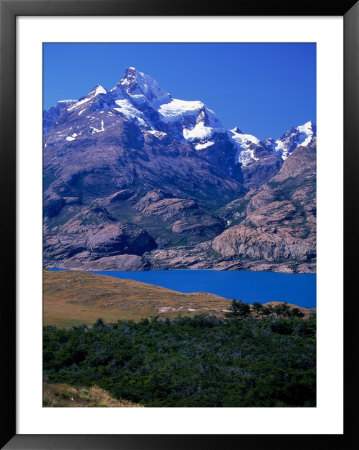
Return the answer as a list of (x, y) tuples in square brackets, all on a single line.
[(248, 286)]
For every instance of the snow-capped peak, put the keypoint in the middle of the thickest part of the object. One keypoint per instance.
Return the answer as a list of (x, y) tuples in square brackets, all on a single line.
[(188, 120), (307, 128), (139, 98), (245, 144), (96, 91), (245, 139), (302, 135), (51, 116), (141, 88), (236, 130)]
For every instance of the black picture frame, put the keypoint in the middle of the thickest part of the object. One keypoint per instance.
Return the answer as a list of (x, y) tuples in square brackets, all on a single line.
[(9, 10)]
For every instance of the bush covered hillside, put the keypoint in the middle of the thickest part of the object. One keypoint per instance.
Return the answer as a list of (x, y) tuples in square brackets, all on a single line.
[(203, 361)]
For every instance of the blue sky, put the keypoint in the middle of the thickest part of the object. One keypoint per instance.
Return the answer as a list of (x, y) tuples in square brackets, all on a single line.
[(262, 88)]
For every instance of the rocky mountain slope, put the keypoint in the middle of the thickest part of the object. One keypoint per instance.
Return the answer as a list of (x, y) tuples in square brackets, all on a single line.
[(274, 227), (135, 179)]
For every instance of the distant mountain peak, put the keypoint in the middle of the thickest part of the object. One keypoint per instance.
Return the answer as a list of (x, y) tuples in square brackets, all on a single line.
[(141, 88), (131, 72), (51, 116), (302, 135), (236, 130), (98, 89), (307, 128), (309, 123), (139, 98), (130, 76), (245, 144), (88, 99)]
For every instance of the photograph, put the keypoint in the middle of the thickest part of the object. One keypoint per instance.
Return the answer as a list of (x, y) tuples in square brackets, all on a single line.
[(178, 237), (179, 224)]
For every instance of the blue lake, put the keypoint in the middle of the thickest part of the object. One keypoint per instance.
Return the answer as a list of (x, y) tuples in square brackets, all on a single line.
[(299, 289)]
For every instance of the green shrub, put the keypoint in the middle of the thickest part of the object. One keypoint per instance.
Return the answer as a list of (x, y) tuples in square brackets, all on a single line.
[(202, 361)]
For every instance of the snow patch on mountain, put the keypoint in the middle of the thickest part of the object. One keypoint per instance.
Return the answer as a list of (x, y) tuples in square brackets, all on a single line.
[(244, 143), (202, 146), (306, 134), (245, 157), (199, 131), (79, 103), (177, 109), (302, 135), (198, 123), (129, 111), (72, 137), (157, 133), (97, 90), (243, 140), (96, 130)]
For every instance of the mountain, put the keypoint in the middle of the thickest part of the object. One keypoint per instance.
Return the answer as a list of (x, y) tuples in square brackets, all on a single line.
[(136, 179), (50, 116), (274, 227), (257, 162), (302, 135)]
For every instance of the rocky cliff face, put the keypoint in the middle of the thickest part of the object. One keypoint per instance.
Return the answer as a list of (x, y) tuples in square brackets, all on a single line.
[(51, 116), (135, 179), (277, 223)]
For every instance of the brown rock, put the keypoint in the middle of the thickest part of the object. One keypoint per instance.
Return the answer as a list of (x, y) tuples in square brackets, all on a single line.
[(263, 244), (91, 234)]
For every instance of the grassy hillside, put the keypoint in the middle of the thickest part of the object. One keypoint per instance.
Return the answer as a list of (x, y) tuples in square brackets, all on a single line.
[(64, 395), (75, 297)]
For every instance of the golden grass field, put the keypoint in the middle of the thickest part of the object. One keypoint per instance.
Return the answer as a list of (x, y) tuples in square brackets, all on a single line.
[(73, 297), (64, 395)]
